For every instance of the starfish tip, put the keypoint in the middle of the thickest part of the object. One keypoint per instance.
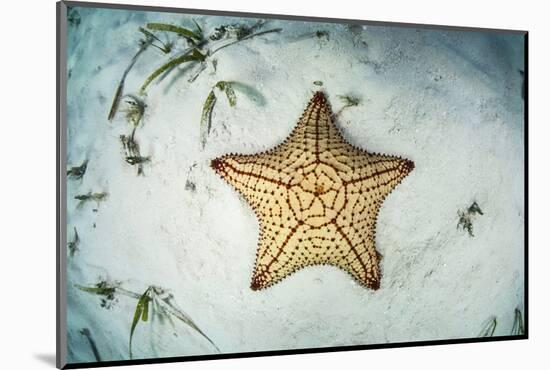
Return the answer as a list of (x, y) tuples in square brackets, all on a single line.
[(256, 284), (408, 166), (319, 97), (216, 163)]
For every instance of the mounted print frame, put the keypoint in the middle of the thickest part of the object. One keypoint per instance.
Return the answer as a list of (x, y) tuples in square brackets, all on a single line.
[(235, 184)]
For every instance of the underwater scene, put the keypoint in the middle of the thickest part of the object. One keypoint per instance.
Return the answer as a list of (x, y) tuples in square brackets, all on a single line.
[(240, 184)]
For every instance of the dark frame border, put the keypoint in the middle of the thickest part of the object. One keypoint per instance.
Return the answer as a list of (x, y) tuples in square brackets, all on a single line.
[(61, 226), (61, 186)]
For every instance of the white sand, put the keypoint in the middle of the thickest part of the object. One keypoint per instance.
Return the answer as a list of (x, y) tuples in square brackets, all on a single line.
[(450, 101)]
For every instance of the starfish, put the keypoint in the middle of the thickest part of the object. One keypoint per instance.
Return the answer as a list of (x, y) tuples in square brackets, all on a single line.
[(317, 198)]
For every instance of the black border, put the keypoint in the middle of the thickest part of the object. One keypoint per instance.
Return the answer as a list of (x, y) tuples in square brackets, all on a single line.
[(301, 351), (61, 193)]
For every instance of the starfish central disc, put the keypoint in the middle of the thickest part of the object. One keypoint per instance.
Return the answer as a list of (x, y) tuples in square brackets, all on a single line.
[(316, 197)]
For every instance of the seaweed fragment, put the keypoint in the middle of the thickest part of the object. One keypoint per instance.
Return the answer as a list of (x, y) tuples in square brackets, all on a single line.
[(135, 109), (199, 28), (201, 67), (143, 45), (189, 35), (238, 31), (518, 328), (116, 100), (466, 223), (137, 159), (150, 39), (73, 17), (356, 31), (348, 101), (84, 198), (141, 312), (163, 301), (132, 154), (169, 306), (77, 172), (208, 107), (199, 51), (154, 298), (104, 289), (196, 59), (165, 47), (465, 219), (206, 117), (194, 56), (86, 333), (247, 37), (474, 208), (73, 244), (322, 35), (190, 185), (227, 87), (489, 327)]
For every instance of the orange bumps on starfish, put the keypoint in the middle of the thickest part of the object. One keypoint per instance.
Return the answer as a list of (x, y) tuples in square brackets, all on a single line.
[(316, 198)]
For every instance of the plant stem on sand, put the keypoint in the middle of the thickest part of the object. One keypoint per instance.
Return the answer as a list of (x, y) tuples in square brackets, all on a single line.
[(161, 301)]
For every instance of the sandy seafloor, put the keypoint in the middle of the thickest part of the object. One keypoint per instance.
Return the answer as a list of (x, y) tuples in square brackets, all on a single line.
[(449, 100)]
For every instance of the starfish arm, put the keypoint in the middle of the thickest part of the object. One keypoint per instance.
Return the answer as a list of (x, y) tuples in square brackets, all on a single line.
[(256, 181), (275, 257), (314, 133), (379, 175), (283, 251), (361, 259), (364, 264)]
